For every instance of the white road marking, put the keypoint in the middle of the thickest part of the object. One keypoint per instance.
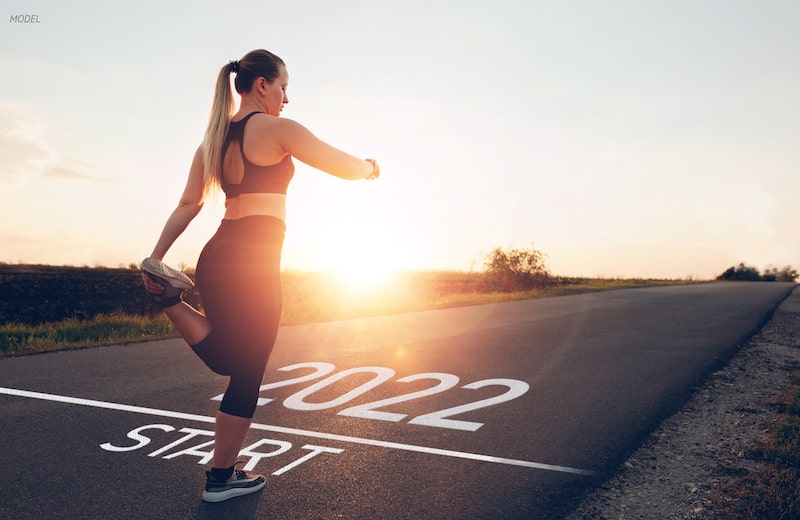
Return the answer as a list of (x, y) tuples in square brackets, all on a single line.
[(293, 431)]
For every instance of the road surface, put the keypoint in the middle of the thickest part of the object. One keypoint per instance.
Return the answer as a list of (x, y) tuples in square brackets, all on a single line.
[(511, 410)]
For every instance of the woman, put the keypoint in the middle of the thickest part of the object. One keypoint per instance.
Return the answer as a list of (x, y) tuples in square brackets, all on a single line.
[(248, 154)]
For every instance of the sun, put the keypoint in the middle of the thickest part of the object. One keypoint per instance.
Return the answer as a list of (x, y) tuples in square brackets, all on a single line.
[(358, 279), (360, 255)]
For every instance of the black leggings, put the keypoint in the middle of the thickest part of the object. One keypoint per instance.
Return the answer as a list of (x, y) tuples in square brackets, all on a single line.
[(239, 280)]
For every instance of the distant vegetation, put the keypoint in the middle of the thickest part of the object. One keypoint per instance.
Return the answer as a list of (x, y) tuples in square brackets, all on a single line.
[(45, 308), (50, 308), (746, 273), (34, 294)]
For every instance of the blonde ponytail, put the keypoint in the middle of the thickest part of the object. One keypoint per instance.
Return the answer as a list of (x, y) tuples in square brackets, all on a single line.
[(221, 112)]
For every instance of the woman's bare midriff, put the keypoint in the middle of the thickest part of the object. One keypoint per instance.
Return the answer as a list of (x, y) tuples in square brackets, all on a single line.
[(249, 204)]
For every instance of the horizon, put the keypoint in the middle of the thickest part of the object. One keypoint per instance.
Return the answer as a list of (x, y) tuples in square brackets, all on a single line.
[(391, 276)]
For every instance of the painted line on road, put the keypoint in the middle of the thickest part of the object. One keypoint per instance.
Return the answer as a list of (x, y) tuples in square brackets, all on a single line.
[(294, 431)]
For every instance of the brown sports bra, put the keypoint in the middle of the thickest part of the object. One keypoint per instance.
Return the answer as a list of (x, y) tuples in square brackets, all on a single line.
[(257, 179)]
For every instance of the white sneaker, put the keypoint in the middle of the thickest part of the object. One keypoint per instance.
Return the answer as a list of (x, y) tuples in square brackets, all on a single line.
[(165, 274)]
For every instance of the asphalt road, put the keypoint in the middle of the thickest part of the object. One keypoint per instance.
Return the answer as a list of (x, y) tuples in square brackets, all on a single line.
[(512, 410)]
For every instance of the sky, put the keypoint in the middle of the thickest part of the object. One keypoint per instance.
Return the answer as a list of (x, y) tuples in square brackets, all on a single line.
[(621, 138)]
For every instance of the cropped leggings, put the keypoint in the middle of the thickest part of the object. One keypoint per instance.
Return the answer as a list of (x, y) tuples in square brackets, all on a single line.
[(238, 277)]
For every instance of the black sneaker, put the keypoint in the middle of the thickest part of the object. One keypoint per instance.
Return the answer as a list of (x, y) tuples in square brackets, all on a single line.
[(174, 281), (240, 483)]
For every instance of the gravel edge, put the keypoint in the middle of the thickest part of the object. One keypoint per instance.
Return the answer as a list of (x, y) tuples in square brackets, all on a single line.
[(678, 471)]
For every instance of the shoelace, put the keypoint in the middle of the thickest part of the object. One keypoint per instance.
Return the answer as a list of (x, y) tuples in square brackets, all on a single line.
[(239, 473)]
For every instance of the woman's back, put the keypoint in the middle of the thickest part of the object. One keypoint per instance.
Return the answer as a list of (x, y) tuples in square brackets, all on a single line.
[(240, 173)]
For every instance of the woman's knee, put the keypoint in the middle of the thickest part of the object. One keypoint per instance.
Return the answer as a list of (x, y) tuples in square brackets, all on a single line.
[(212, 353), (241, 397)]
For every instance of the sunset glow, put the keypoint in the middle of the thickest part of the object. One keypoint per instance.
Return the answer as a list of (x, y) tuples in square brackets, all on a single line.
[(359, 255)]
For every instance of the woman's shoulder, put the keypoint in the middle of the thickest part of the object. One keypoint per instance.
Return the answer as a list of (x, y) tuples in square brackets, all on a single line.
[(267, 124)]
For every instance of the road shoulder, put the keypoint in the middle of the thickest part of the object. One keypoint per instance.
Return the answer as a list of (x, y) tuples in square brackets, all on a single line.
[(680, 468)]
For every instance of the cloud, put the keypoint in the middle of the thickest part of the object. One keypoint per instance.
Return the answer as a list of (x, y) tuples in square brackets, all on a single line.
[(24, 149), (70, 169)]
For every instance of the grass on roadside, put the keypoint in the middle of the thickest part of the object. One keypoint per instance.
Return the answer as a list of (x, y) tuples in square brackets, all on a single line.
[(771, 492), (16, 339)]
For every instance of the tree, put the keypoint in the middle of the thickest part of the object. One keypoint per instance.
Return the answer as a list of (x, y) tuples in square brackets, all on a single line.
[(787, 274), (746, 273), (517, 269), (741, 273)]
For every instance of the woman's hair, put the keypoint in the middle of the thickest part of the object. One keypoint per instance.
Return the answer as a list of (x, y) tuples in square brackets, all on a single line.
[(254, 65)]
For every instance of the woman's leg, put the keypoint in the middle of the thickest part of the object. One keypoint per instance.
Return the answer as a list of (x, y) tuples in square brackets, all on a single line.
[(165, 286), (230, 429), (239, 279), (228, 439), (192, 325)]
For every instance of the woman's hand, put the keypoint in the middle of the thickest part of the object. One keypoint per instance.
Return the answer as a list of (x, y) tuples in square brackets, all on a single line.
[(151, 285)]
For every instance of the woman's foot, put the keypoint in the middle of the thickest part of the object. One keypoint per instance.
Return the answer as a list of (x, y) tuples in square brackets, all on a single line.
[(238, 484)]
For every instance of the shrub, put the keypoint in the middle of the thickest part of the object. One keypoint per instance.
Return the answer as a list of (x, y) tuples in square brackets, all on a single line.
[(517, 269)]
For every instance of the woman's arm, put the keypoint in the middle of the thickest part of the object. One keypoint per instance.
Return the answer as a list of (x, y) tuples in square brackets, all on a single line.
[(189, 206), (299, 142)]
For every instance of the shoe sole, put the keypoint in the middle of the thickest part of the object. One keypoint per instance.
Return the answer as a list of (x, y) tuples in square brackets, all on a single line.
[(160, 270), (221, 496)]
